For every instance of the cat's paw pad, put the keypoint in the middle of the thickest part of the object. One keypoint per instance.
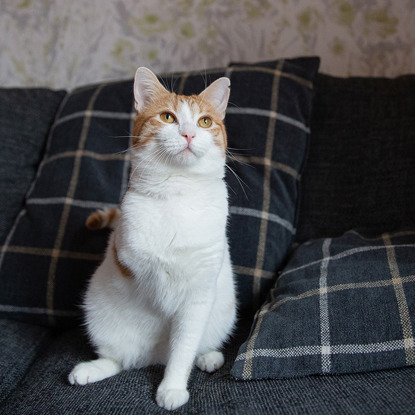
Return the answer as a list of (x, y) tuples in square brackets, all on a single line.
[(171, 399), (94, 371), (210, 362)]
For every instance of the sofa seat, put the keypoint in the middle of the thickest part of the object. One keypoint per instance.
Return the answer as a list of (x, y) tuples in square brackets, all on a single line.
[(37, 384)]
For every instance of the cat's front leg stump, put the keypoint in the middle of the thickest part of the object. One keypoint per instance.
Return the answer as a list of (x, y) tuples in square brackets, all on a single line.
[(171, 399)]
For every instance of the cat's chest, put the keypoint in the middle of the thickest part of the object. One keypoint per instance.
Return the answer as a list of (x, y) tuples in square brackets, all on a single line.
[(175, 224)]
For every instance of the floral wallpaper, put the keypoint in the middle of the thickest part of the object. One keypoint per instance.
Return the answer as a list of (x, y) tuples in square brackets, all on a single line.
[(63, 44)]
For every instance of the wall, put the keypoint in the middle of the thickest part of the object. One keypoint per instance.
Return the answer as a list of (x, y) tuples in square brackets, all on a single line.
[(62, 44)]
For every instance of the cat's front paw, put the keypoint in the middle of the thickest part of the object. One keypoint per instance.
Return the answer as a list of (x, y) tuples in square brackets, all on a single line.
[(171, 399), (93, 371), (210, 362), (81, 374)]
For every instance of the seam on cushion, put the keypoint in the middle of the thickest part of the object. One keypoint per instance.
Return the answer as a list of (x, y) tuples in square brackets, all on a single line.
[(401, 300), (303, 166)]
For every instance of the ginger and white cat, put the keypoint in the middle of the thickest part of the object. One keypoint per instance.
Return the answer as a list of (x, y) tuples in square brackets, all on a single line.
[(165, 291)]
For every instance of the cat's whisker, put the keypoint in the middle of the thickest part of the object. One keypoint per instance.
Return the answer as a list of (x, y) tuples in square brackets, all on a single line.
[(138, 165), (173, 81), (130, 148), (144, 163), (155, 158), (240, 149), (122, 136), (205, 78), (240, 181), (234, 158), (234, 105), (160, 156), (136, 145), (164, 83), (231, 188), (143, 137), (127, 150)]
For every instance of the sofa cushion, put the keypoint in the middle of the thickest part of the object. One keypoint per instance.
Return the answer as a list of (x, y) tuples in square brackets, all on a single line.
[(45, 390), (25, 118), (360, 171), (20, 344), (341, 305), (50, 254)]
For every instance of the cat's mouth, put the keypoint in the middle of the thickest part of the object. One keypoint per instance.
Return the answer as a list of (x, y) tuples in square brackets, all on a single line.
[(187, 150), (187, 156), (183, 154)]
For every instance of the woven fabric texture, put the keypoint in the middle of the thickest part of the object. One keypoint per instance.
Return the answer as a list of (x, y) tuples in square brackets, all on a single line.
[(360, 172), (20, 344), (45, 389)]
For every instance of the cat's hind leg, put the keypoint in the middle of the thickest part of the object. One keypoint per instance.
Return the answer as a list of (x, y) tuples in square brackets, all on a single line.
[(93, 371)]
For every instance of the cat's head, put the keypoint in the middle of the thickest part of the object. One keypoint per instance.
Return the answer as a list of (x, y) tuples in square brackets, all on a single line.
[(178, 133)]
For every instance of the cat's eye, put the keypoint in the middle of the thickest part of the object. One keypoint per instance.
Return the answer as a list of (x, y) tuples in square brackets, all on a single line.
[(167, 117), (205, 122)]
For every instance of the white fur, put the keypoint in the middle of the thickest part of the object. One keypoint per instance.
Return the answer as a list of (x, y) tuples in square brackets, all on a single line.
[(180, 305)]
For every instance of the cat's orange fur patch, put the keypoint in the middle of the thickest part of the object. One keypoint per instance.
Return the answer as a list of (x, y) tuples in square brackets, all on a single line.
[(147, 122), (124, 270)]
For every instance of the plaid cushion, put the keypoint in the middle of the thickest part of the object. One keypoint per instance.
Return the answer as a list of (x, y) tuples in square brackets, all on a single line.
[(341, 305), (23, 136), (49, 254)]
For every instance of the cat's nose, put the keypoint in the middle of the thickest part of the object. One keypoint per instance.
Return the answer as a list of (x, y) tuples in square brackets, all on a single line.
[(188, 135)]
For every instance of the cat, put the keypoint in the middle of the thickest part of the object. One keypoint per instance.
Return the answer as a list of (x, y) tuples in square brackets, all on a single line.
[(165, 292)]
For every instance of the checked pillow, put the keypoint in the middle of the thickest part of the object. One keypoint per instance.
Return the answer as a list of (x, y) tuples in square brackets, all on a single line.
[(49, 255), (23, 136), (341, 305)]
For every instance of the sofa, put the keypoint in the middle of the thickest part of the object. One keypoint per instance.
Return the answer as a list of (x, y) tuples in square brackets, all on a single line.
[(321, 177)]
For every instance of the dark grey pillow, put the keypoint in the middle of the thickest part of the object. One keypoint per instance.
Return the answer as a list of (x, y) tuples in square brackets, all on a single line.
[(25, 118), (341, 305), (360, 172), (50, 255)]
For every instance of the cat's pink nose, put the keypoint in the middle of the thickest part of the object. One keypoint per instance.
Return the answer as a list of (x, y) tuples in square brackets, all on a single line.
[(189, 136)]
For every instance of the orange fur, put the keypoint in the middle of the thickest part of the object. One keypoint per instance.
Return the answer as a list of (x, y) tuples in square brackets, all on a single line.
[(101, 219), (148, 121)]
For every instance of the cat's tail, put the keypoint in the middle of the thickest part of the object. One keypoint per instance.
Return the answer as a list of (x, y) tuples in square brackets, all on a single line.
[(103, 218)]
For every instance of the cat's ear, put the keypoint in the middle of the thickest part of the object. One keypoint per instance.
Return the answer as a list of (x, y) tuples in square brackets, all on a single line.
[(146, 88), (217, 94)]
